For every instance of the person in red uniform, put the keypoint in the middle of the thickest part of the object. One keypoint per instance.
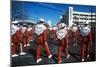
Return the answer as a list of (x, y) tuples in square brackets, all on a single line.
[(20, 36), (41, 40), (17, 40), (30, 31), (74, 32), (14, 40), (62, 36), (25, 35), (52, 33), (85, 39)]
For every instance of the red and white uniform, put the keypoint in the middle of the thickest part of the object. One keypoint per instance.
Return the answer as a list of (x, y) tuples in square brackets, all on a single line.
[(85, 41), (16, 39), (30, 31), (74, 31), (40, 30), (24, 37), (20, 40), (62, 36), (52, 33)]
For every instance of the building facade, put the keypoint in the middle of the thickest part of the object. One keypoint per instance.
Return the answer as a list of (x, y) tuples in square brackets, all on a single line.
[(80, 17)]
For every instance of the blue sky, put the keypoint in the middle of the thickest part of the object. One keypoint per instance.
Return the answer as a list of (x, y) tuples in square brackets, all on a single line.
[(49, 11)]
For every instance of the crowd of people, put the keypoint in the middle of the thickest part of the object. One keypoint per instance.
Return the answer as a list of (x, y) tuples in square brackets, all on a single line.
[(23, 34)]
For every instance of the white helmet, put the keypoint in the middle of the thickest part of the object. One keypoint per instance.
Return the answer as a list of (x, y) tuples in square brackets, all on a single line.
[(41, 19), (14, 21), (74, 24)]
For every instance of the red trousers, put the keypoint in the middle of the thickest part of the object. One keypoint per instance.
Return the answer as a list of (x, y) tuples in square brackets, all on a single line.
[(60, 49), (30, 35), (15, 42), (85, 45), (74, 37), (63, 45), (45, 46), (24, 40), (14, 48), (17, 38), (83, 48), (74, 40)]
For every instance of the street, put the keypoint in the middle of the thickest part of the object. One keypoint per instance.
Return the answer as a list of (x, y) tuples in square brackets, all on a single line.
[(29, 58)]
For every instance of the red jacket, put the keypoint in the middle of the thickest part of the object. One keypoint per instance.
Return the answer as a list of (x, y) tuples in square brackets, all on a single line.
[(14, 39), (86, 39), (30, 33), (52, 33), (74, 34), (41, 38), (64, 41), (19, 35)]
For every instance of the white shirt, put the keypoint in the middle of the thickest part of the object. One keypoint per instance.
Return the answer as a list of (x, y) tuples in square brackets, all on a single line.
[(61, 34), (85, 31), (39, 29)]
